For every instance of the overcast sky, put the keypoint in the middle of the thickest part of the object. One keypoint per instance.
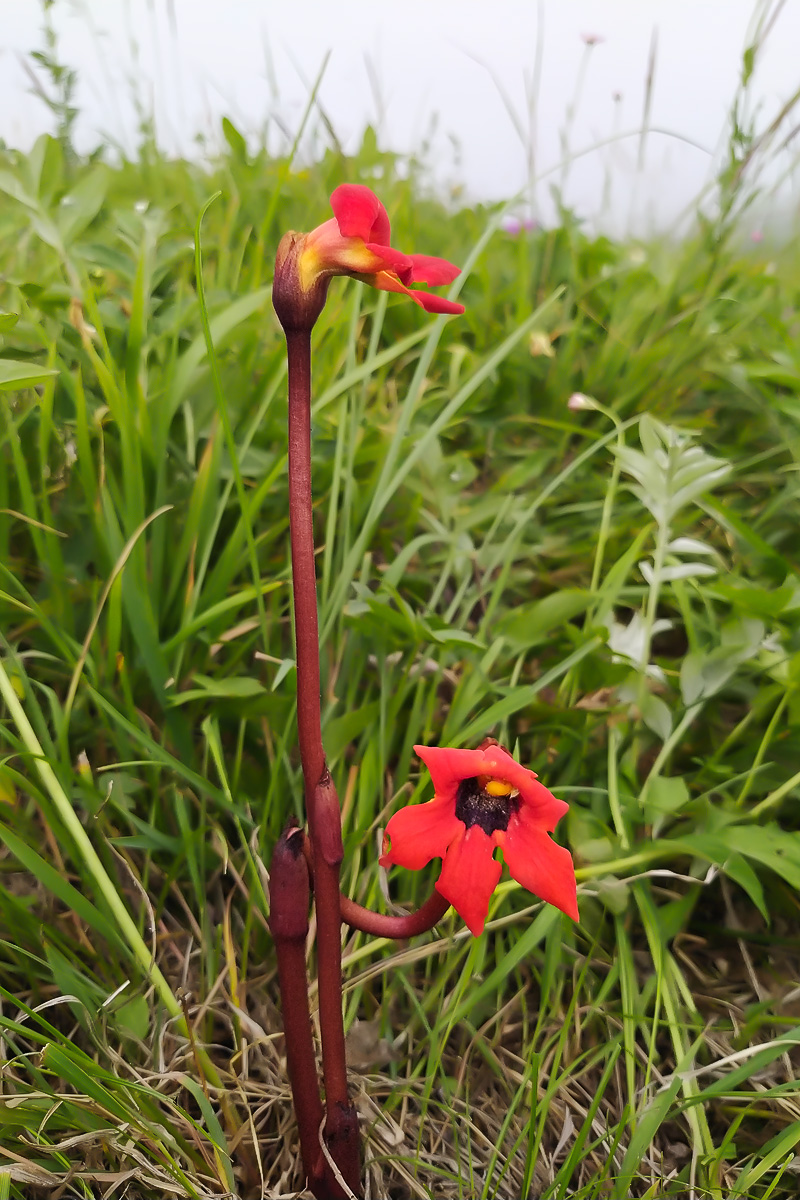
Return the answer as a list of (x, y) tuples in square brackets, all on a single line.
[(489, 83)]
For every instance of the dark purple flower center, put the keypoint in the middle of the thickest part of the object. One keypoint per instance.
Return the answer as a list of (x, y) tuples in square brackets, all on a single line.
[(486, 802)]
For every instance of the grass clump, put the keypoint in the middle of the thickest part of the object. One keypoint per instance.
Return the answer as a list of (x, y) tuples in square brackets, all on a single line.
[(612, 587)]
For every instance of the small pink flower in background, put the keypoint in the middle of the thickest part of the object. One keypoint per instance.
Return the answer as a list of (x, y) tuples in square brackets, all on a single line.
[(516, 225), (579, 402), (756, 236), (592, 39)]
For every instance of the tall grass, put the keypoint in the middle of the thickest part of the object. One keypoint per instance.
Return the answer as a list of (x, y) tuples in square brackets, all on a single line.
[(613, 590)]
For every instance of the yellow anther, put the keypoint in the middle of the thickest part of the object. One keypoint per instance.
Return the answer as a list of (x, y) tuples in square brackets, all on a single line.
[(495, 787)]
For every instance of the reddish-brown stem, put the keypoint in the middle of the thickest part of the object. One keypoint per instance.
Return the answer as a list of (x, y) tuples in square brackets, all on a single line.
[(304, 580), (341, 1129), (368, 921), (324, 817), (288, 902), (407, 926)]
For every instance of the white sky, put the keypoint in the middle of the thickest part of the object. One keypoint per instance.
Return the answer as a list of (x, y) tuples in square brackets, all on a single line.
[(415, 66)]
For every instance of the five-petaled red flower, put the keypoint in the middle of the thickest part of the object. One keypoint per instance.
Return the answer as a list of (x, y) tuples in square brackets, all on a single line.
[(355, 241), (483, 799)]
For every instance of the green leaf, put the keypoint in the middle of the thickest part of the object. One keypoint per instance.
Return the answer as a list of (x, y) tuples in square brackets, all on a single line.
[(213, 1128), (55, 882), (79, 1072), (223, 324), (613, 893), (739, 870), (782, 1146), (519, 697), (16, 375), (80, 206), (133, 1017), (775, 848), (647, 1123), (753, 1066), (665, 795), (234, 139), (672, 472), (519, 950), (657, 716), (530, 624), (238, 687), (13, 187), (340, 731), (755, 600), (72, 982), (703, 675), (455, 637)]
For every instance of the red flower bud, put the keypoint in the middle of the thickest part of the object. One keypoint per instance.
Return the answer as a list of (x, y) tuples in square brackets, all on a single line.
[(288, 887)]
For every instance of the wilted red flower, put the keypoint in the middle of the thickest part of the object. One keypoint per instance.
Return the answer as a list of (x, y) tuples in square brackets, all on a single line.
[(356, 242), (483, 799)]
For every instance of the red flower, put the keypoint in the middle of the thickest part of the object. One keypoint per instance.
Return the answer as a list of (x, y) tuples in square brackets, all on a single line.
[(355, 242), (482, 799)]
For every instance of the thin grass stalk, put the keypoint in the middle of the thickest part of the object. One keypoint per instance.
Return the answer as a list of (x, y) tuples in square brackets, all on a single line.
[(105, 886)]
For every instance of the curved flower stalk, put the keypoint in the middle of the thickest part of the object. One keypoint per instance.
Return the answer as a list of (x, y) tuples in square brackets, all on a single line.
[(484, 799)]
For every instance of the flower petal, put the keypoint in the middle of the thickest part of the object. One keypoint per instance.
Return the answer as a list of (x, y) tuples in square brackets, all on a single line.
[(416, 268), (326, 251), (387, 281), (534, 796), (448, 767), (394, 260), (437, 304), (420, 833), (539, 863), (360, 213), (431, 270), (469, 876)]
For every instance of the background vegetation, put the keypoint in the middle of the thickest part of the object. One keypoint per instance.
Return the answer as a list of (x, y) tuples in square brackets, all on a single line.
[(610, 587)]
